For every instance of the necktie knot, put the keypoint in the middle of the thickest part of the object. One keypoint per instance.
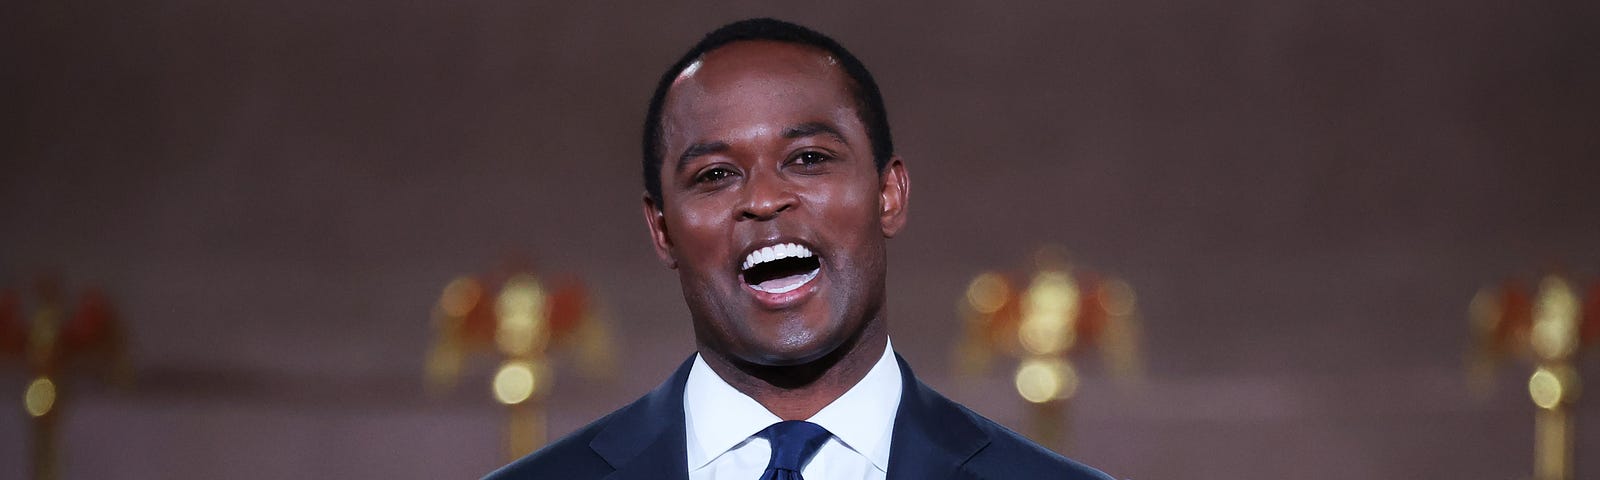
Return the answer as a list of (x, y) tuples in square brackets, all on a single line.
[(794, 442)]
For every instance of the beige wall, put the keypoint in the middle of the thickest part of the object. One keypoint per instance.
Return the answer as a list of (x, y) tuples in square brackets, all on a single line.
[(1304, 193)]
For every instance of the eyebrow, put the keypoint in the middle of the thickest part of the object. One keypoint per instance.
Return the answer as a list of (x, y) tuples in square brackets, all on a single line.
[(810, 129), (700, 149)]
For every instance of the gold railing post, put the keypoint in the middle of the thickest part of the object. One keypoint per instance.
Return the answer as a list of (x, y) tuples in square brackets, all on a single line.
[(1055, 314), (1554, 385), (1549, 327), (520, 324), (42, 402), (55, 344)]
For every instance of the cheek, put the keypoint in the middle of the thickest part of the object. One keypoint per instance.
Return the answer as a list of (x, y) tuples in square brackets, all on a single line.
[(851, 219), (853, 210), (697, 231)]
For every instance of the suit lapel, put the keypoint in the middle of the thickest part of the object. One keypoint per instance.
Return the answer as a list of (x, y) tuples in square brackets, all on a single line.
[(646, 440), (932, 437), (663, 458)]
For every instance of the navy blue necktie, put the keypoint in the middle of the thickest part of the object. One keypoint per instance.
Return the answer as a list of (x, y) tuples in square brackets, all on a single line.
[(794, 442)]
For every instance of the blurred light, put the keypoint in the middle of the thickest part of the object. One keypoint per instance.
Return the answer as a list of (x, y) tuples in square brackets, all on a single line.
[(42, 337), (1052, 291), (1069, 380), (40, 397), (1118, 298), (988, 293), (1049, 309), (1484, 310), (521, 310), (1555, 319), (1040, 380), (1547, 387), (459, 296), (443, 366), (1036, 382), (1044, 335), (514, 383)]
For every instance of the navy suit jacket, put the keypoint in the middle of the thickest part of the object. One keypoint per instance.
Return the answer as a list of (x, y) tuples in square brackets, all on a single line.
[(934, 438)]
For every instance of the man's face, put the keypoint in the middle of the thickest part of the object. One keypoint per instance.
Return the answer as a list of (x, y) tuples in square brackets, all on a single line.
[(772, 210)]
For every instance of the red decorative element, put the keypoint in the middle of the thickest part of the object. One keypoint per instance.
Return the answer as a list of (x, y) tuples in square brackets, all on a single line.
[(1516, 318), (1002, 324), (93, 326), (1092, 315), (13, 333), (478, 327), (569, 301)]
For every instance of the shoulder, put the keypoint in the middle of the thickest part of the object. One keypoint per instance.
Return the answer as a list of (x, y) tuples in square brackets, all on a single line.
[(569, 457), (592, 451), (929, 426), (1010, 455)]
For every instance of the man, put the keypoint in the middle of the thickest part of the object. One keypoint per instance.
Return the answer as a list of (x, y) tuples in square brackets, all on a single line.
[(771, 187)]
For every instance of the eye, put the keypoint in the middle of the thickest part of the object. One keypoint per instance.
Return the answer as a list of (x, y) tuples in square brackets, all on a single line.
[(811, 158), (713, 175)]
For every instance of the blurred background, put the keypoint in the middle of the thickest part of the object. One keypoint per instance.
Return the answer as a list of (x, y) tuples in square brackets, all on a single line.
[(1305, 196)]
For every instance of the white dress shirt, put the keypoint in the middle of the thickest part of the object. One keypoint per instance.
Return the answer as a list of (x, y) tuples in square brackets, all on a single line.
[(721, 424)]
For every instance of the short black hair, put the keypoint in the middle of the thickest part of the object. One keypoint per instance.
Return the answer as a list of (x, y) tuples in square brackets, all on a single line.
[(869, 102)]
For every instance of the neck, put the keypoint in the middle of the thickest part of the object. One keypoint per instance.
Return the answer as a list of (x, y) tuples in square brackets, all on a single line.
[(798, 392)]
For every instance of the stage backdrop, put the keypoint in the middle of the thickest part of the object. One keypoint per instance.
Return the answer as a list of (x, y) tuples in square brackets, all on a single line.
[(1304, 194)]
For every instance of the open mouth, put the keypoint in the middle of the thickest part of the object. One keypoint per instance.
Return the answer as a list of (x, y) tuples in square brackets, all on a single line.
[(780, 268)]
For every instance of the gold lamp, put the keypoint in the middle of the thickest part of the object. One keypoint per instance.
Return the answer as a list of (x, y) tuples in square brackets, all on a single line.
[(1549, 326), (520, 323), (56, 343), (1042, 322)]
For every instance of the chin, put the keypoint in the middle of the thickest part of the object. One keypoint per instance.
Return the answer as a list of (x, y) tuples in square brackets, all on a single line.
[(797, 345)]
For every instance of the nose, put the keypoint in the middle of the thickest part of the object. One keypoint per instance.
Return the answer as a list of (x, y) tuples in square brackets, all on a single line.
[(766, 195)]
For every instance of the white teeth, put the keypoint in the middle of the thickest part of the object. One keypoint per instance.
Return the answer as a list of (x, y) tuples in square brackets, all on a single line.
[(775, 252)]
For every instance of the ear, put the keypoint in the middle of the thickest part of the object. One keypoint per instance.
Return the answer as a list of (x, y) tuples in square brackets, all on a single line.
[(893, 194), (657, 221)]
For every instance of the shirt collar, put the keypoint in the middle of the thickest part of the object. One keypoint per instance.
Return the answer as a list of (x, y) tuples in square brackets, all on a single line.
[(720, 418), (863, 418)]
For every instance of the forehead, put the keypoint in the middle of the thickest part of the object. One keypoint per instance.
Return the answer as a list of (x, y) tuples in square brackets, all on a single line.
[(744, 80), (753, 57)]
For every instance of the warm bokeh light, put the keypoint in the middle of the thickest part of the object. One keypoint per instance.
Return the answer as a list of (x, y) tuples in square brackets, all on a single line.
[(1048, 309), (1555, 319), (1118, 298), (988, 293), (1041, 380), (515, 383), (1545, 389), (40, 397), (1044, 335), (459, 296), (521, 309), (1484, 311), (1036, 383)]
